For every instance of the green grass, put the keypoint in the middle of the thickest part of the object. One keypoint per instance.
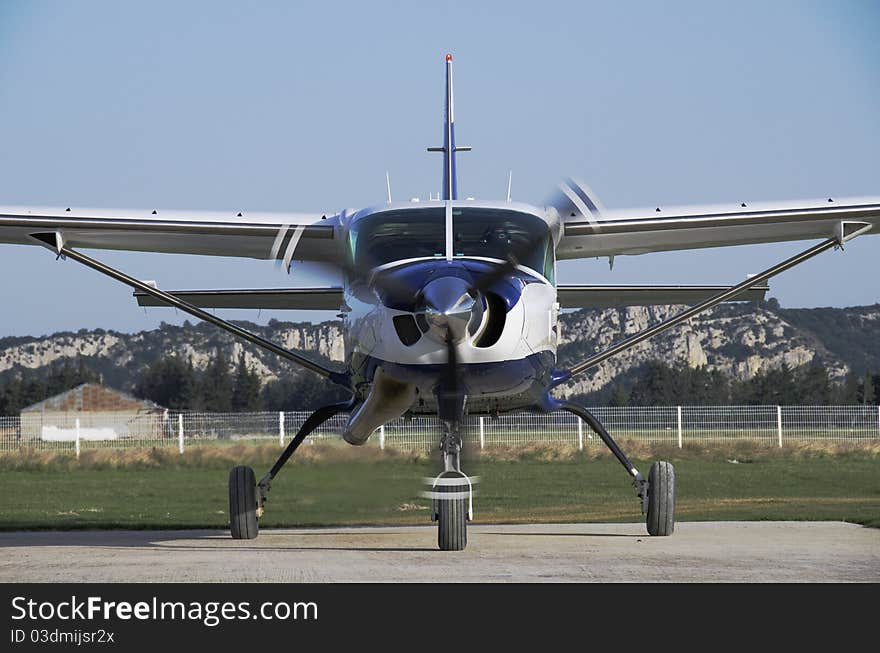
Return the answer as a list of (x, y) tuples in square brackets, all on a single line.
[(329, 486)]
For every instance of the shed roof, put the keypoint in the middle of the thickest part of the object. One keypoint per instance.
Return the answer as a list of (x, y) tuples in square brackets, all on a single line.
[(93, 397)]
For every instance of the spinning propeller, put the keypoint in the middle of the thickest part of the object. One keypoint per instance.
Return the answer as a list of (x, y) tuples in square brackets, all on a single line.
[(574, 199)]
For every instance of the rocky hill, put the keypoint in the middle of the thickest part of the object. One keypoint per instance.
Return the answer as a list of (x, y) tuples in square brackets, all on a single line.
[(737, 339)]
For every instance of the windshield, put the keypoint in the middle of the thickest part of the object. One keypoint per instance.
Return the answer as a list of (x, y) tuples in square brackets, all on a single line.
[(494, 233), (388, 236), (395, 235)]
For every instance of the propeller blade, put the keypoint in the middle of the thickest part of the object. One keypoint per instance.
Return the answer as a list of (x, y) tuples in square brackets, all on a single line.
[(283, 247), (450, 393), (452, 380), (574, 199)]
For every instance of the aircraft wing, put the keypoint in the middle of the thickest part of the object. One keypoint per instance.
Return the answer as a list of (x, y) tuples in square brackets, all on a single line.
[(607, 296), (280, 236), (309, 299), (590, 231), (331, 298)]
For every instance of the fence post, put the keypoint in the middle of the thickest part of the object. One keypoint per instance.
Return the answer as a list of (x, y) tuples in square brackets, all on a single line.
[(281, 428), (77, 437), (382, 437), (779, 424), (180, 432), (482, 433), (580, 434), (679, 426)]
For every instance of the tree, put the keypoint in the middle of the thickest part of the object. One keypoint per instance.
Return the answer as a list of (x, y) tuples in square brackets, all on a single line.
[(11, 401), (170, 383), (619, 396), (301, 392), (871, 391), (246, 388), (813, 387), (848, 391), (656, 386), (216, 385), (717, 389), (26, 387), (771, 387), (67, 376)]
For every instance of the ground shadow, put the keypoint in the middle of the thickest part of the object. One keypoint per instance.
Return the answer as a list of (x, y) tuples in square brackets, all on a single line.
[(521, 534), (169, 540), (376, 549), (221, 541)]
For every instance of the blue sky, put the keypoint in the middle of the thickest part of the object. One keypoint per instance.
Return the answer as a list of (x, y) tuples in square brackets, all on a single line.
[(301, 107)]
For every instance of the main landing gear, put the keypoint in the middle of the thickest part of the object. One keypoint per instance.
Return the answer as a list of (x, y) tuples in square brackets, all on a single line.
[(248, 498), (657, 493), (452, 491)]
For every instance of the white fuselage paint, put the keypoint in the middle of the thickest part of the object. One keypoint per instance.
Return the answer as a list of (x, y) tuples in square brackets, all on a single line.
[(529, 329)]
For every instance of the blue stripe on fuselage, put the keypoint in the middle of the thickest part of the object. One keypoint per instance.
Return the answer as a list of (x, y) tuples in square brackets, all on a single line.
[(450, 183)]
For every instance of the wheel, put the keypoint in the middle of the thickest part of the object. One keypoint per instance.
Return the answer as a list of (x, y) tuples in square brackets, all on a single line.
[(243, 503), (452, 517), (661, 499), (452, 520)]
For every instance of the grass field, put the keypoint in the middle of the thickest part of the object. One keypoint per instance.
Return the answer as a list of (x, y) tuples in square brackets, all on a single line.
[(330, 485)]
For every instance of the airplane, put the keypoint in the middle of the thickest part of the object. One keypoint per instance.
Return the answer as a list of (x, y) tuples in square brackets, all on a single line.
[(449, 306)]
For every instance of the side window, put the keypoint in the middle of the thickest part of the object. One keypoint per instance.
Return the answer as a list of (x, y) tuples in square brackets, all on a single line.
[(389, 236), (493, 233), (352, 243), (550, 262)]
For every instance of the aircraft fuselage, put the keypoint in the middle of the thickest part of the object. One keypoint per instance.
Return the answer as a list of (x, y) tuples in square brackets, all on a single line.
[(409, 296)]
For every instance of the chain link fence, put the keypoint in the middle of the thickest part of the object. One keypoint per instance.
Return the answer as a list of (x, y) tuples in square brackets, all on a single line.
[(675, 425)]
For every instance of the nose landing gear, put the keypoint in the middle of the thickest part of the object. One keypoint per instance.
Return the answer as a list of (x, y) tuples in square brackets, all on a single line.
[(451, 497)]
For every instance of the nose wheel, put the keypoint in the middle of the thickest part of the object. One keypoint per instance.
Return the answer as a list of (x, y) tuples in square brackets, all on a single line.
[(451, 496), (452, 511)]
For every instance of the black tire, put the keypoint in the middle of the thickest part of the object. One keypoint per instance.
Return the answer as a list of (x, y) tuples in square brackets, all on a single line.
[(661, 499), (452, 515), (243, 503)]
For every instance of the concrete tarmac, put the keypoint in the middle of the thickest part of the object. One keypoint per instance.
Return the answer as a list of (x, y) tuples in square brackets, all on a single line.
[(697, 552)]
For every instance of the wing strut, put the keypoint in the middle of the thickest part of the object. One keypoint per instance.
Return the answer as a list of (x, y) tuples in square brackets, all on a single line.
[(55, 243), (845, 232)]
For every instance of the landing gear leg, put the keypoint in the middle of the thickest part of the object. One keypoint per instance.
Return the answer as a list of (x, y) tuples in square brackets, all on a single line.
[(451, 496), (247, 499), (656, 494), (451, 493)]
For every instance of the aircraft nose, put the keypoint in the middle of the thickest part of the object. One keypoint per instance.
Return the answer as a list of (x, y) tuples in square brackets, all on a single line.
[(449, 308)]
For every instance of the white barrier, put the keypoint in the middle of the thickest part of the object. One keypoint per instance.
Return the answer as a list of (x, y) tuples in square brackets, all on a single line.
[(673, 425)]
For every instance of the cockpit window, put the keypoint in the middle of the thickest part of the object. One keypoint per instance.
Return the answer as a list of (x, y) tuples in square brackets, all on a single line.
[(389, 236), (396, 235), (494, 233)]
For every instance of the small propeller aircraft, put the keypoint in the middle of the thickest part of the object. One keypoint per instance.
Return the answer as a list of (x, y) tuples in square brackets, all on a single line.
[(449, 306)]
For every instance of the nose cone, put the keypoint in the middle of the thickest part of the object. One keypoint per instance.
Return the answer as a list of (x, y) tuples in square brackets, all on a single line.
[(449, 308)]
